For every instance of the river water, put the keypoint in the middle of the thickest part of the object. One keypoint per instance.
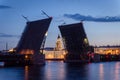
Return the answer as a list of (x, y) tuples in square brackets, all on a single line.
[(58, 70)]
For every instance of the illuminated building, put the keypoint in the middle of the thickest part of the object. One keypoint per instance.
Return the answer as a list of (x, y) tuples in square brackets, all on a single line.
[(52, 54), (113, 50), (75, 42), (55, 53), (58, 46)]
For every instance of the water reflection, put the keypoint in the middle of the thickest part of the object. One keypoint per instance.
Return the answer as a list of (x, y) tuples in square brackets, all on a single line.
[(117, 71), (101, 70), (76, 72), (26, 72), (11, 73), (34, 73), (56, 70)]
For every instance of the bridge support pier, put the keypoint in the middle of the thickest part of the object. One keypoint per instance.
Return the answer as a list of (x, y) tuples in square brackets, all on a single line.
[(38, 59), (76, 58), (23, 59)]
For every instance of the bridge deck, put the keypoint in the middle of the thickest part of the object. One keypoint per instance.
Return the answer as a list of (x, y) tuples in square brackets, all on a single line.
[(16, 59)]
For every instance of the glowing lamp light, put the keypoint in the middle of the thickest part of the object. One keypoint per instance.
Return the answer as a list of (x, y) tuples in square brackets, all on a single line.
[(50, 56), (46, 33), (27, 51), (85, 40), (11, 50), (64, 53), (26, 56)]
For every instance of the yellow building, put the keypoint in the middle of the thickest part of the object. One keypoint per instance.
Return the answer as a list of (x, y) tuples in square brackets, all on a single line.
[(55, 53), (52, 54), (113, 50)]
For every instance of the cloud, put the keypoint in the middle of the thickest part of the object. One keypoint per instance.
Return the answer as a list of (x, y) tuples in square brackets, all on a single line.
[(4, 7), (8, 35), (80, 17)]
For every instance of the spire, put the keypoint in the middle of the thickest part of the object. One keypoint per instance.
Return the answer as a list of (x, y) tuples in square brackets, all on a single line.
[(58, 46), (6, 46)]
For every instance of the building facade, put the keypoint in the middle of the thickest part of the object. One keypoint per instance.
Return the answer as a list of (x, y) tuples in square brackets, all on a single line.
[(55, 53), (113, 50)]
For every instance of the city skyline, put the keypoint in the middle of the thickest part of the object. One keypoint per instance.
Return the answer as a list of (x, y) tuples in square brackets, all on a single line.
[(102, 32)]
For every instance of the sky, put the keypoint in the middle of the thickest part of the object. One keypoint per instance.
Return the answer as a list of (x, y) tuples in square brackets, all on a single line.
[(101, 19)]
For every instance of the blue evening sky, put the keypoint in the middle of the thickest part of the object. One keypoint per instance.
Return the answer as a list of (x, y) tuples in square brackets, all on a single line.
[(12, 23)]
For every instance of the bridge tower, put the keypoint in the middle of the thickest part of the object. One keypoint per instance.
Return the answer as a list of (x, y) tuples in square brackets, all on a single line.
[(75, 42), (32, 39)]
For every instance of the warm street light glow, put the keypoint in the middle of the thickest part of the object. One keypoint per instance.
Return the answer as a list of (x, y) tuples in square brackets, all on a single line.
[(11, 50), (85, 41), (27, 51), (107, 50), (26, 56), (46, 33)]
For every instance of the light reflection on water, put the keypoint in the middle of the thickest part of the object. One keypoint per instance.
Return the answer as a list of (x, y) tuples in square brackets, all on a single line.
[(117, 71), (101, 70), (57, 70)]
